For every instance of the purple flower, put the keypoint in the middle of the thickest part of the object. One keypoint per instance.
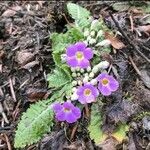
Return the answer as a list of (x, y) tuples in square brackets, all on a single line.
[(78, 55), (87, 93), (66, 112), (107, 84)]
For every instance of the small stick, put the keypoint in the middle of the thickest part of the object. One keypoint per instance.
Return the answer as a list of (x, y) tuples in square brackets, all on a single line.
[(134, 66), (73, 131), (131, 21), (8, 142), (3, 114), (127, 38), (12, 90), (87, 110)]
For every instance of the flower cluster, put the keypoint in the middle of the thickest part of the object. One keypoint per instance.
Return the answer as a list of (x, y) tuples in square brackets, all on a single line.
[(89, 82)]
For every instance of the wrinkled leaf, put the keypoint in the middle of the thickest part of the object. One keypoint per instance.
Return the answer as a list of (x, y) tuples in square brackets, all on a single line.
[(121, 6), (115, 42), (58, 78)]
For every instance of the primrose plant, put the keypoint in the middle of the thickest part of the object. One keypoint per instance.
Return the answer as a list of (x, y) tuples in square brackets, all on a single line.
[(80, 77)]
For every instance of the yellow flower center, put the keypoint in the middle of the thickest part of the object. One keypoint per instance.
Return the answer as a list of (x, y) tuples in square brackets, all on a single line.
[(87, 92), (66, 110), (105, 81), (79, 55)]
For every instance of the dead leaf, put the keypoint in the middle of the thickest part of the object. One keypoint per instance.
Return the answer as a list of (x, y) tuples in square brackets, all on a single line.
[(145, 28), (12, 11), (35, 94), (30, 65), (109, 144), (145, 77), (24, 57), (115, 42)]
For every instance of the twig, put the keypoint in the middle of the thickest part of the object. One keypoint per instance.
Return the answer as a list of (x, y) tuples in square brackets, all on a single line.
[(87, 111), (131, 21), (12, 90), (128, 39), (73, 131), (134, 66), (8, 142), (3, 114)]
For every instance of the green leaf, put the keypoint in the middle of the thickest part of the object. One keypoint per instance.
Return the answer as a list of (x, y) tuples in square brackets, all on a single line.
[(120, 133), (121, 6), (58, 78), (94, 128), (79, 13), (34, 123)]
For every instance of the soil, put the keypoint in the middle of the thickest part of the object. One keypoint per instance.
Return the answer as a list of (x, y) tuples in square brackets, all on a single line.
[(25, 60)]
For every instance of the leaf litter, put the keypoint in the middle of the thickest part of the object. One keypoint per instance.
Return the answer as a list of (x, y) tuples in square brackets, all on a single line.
[(25, 29)]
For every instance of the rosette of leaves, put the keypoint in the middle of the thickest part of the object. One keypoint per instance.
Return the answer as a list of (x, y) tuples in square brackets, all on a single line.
[(38, 119)]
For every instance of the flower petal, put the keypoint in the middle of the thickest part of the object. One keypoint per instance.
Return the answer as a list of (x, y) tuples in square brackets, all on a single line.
[(77, 112), (72, 61), (57, 107), (68, 105), (104, 90), (90, 99), (61, 116), (80, 46), (113, 84), (84, 63), (88, 54), (70, 117), (102, 76), (71, 50)]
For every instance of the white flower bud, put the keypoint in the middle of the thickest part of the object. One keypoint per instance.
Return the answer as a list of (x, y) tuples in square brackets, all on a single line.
[(86, 33), (88, 38), (93, 81), (80, 82), (77, 68), (78, 74), (85, 80), (74, 74), (74, 89), (95, 69), (63, 58), (88, 69), (91, 75), (104, 43), (92, 41), (82, 70), (103, 65), (86, 75), (73, 69), (74, 83), (100, 33), (94, 23), (68, 97), (92, 33), (86, 43), (74, 97)]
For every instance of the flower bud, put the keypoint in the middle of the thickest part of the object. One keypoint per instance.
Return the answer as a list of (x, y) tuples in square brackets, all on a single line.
[(85, 80), (86, 43), (92, 33), (80, 82), (88, 38), (93, 81), (88, 69), (92, 41), (63, 58), (68, 97), (95, 69), (73, 69), (74, 74), (86, 75), (104, 43), (74, 97), (103, 65), (100, 33), (78, 74), (74, 83), (77, 68), (86, 33), (82, 70), (91, 75), (94, 24), (74, 89)]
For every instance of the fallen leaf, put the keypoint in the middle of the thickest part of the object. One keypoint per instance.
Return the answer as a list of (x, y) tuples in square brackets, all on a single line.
[(24, 57), (115, 42), (121, 6), (145, 28), (145, 77), (12, 11)]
